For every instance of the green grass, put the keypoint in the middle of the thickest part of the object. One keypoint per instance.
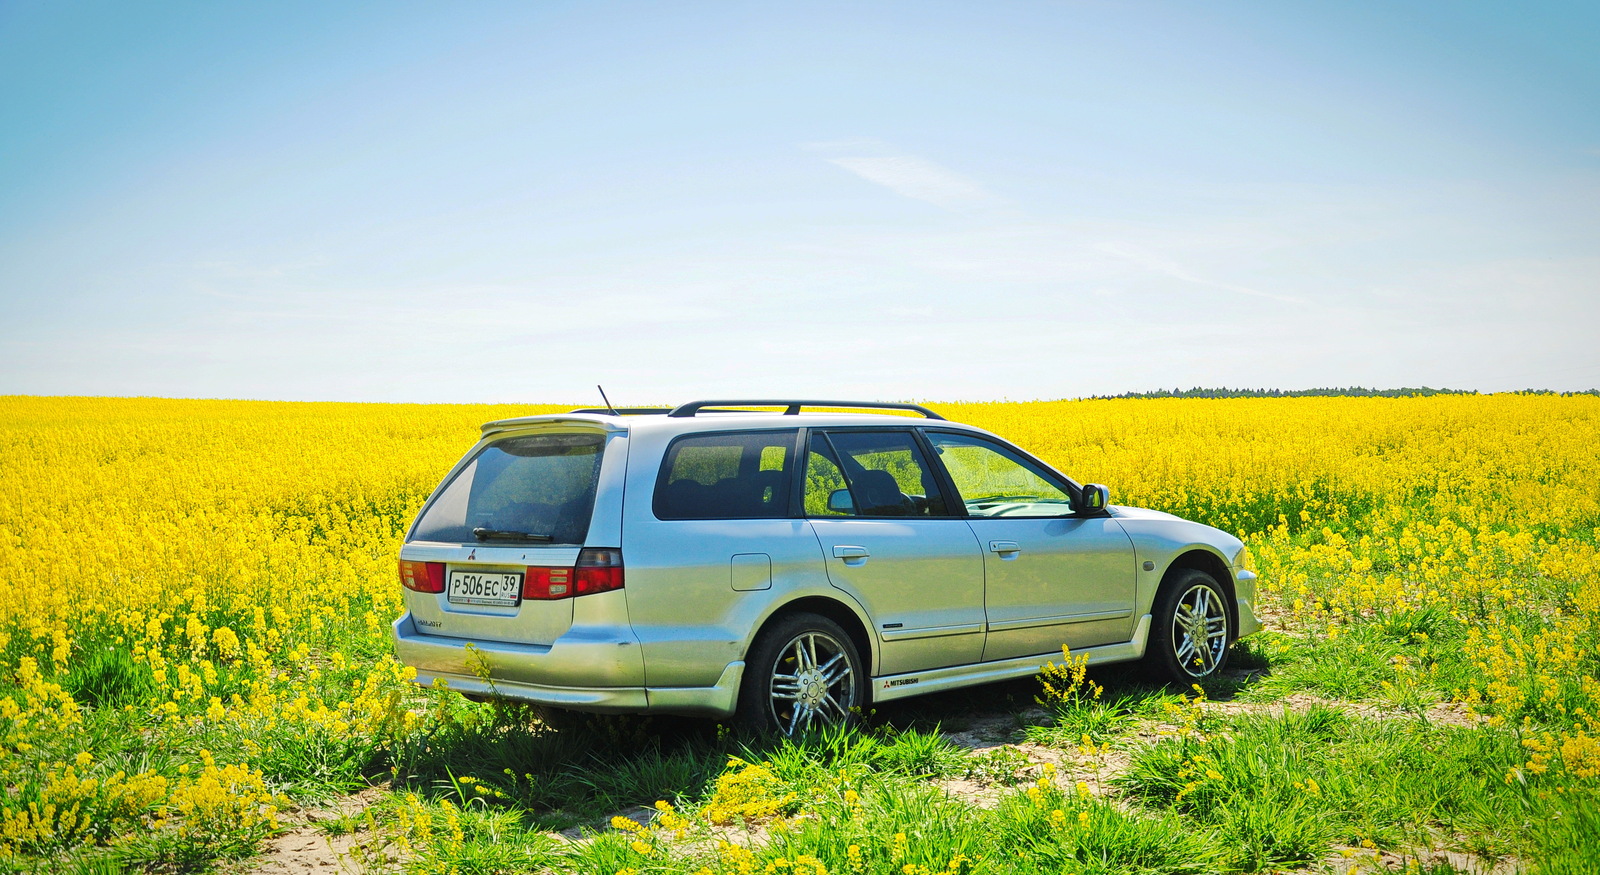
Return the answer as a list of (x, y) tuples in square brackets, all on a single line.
[(1103, 719), (1004, 766), (1096, 838), (568, 774), (1284, 788), (1238, 793)]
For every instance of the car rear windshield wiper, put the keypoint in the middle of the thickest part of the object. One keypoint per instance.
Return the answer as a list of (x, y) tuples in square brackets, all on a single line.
[(484, 534)]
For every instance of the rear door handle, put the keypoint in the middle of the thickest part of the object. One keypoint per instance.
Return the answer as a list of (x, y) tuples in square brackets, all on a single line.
[(850, 555), (1006, 549)]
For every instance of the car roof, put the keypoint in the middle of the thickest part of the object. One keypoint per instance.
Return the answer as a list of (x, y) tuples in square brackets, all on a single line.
[(720, 421)]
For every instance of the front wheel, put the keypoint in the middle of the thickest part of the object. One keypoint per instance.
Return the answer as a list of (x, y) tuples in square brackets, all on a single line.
[(1191, 629), (802, 673)]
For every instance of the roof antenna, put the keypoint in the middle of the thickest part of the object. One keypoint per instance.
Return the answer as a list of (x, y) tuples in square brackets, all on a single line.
[(606, 400)]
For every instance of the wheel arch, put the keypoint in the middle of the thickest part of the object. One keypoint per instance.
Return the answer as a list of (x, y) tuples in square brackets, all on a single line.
[(1200, 559), (834, 610)]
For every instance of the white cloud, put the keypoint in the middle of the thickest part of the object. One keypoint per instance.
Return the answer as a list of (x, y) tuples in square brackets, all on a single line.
[(918, 178)]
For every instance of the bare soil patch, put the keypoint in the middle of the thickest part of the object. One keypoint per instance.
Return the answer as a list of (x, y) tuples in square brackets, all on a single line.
[(306, 848)]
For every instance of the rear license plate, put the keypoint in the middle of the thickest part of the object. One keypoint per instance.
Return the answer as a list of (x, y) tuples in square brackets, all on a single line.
[(494, 588)]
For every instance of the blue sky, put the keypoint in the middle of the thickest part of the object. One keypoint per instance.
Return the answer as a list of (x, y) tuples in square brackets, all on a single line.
[(504, 202)]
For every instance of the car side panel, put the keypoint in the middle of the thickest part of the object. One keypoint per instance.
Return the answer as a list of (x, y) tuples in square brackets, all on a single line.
[(699, 589), (921, 580), (1054, 582)]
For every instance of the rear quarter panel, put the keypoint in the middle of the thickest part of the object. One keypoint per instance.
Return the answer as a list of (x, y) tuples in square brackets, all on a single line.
[(689, 619)]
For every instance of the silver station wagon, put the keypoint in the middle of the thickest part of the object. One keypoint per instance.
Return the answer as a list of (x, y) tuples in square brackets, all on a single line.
[(750, 559)]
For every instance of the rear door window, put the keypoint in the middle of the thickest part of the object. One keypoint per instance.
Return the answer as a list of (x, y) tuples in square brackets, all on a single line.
[(870, 473), (727, 475), (529, 489)]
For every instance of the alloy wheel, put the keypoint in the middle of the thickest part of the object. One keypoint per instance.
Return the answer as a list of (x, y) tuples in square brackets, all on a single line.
[(813, 683), (1200, 630)]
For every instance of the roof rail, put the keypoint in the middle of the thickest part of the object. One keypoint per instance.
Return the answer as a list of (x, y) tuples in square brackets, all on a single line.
[(792, 407), (625, 411)]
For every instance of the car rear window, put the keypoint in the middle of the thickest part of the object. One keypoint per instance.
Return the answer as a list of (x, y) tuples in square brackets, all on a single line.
[(528, 489), (733, 475)]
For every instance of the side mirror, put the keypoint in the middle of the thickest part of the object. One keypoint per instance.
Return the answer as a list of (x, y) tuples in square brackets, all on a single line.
[(839, 501), (1095, 498)]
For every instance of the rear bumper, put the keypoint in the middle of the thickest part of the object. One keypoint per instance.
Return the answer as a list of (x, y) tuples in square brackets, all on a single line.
[(585, 670)]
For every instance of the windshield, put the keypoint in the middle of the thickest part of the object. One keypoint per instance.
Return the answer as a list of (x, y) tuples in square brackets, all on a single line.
[(528, 489)]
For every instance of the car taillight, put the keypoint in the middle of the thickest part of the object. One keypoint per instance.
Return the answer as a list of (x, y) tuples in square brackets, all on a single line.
[(599, 569), (422, 576), (547, 583)]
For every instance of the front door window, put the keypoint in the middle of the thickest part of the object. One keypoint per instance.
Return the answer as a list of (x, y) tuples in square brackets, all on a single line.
[(1051, 578), (994, 482)]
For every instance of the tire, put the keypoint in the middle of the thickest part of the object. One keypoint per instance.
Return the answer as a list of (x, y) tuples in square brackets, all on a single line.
[(1190, 606), (803, 673)]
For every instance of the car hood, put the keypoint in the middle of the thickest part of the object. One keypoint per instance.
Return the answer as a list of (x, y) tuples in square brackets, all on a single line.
[(1140, 513)]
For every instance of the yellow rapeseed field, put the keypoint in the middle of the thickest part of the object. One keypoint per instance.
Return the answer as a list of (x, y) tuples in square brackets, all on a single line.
[(194, 630)]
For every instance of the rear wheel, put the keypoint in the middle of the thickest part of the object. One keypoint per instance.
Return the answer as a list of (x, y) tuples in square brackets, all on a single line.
[(802, 673), (1192, 628)]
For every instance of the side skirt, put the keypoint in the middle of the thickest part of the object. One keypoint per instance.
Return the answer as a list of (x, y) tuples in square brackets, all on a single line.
[(916, 683)]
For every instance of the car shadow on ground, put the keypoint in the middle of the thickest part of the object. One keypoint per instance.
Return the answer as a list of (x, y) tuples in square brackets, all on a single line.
[(1023, 698), (596, 765)]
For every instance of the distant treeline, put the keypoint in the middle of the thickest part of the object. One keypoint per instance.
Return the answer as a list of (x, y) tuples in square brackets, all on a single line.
[(1347, 392)]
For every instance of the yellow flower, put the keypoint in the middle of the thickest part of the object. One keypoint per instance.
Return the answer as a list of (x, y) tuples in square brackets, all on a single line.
[(626, 824), (264, 536)]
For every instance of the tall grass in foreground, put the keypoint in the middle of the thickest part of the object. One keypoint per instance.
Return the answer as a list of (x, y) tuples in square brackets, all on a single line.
[(195, 640)]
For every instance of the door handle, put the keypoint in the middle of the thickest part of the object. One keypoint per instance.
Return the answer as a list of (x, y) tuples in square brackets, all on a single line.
[(1006, 549), (850, 555)]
